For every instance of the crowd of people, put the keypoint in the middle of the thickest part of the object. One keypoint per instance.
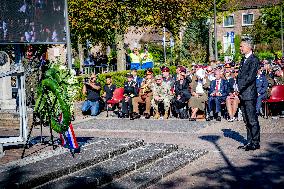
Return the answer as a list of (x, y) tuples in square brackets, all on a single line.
[(32, 21), (210, 89)]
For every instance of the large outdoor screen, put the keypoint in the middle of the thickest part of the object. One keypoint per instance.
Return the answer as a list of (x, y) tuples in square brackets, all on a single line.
[(32, 21)]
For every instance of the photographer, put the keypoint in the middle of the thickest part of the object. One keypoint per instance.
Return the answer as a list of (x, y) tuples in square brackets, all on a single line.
[(92, 90)]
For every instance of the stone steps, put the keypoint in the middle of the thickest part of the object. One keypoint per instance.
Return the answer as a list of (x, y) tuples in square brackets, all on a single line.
[(116, 167), (105, 163), (154, 172), (43, 171)]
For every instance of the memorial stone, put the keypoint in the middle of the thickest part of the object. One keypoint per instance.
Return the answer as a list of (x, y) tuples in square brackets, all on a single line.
[(6, 101)]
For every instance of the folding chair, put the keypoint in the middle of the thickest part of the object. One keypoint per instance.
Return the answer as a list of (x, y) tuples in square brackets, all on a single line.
[(116, 98), (277, 95)]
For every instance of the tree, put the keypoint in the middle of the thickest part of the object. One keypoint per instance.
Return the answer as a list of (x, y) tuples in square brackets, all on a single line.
[(266, 30), (101, 21)]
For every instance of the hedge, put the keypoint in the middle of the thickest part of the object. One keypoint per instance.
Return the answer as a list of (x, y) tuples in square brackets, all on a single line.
[(118, 78)]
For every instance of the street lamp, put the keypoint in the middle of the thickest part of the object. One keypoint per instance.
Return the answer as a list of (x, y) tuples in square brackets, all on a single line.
[(215, 31), (281, 15), (68, 39)]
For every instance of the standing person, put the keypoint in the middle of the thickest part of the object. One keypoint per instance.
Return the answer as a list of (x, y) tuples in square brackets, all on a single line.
[(248, 95), (92, 90), (136, 78), (147, 60), (135, 60)]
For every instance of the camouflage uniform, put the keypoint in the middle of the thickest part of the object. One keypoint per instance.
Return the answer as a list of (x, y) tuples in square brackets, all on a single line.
[(164, 92)]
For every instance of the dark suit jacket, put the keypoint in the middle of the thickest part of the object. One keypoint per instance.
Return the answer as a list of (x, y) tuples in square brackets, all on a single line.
[(261, 85), (223, 87), (182, 89), (130, 89), (247, 78)]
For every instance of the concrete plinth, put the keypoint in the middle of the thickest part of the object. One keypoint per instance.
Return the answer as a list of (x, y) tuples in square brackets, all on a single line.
[(6, 101)]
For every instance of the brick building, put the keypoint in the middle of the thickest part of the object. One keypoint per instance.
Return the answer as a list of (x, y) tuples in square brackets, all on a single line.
[(234, 23)]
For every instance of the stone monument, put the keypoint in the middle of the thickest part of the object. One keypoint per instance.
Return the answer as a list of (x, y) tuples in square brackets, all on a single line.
[(6, 101)]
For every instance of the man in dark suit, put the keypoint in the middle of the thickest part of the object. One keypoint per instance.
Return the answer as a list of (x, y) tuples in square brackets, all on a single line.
[(217, 94), (130, 91), (248, 95)]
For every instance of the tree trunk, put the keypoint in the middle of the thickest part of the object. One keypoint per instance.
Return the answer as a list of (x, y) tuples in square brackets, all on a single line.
[(121, 61), (81, 55), (211, 51)]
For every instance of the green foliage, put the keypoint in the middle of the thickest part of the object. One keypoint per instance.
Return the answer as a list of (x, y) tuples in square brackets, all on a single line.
[(238, 55), (55, 95), (157, 51), (266, 29), (265, 55), (195, 42), (118, 78), (77, 63)]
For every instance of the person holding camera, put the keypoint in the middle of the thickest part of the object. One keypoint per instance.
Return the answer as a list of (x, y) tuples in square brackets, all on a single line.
[(92, 90)]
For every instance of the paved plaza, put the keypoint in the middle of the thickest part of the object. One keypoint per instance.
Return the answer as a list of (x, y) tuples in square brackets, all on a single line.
[(222, 167)]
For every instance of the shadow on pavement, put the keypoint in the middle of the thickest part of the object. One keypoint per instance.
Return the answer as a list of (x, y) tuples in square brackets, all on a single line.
[(229, 133)]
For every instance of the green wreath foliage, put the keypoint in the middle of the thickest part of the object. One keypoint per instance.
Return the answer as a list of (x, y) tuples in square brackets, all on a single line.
[(54, 97)]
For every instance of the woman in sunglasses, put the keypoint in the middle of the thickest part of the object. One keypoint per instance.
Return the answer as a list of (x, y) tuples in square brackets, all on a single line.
[(92, 91)]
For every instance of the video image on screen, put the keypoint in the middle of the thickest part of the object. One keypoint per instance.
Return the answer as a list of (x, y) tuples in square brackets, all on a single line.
[(32, 21)]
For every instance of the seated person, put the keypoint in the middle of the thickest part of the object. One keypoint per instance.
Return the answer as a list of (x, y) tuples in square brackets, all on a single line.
[(279, 76), (199, 93), (232, 100), (92, 90), (261, 87), (161, 94), (217, 95), (130, 91), (145, 96), (181, 91), (108, 90)]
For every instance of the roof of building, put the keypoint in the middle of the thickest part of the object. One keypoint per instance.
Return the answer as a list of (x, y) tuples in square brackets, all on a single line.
[(251, 4)]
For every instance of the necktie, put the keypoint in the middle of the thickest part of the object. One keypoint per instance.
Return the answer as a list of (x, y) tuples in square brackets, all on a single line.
[(217, 85)]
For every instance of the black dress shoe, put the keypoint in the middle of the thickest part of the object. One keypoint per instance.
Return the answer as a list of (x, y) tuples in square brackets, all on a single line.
[(136, 115), (192, 119), (218, 118), (243, 146), (252, 147), (210, 118), (131, 116), (147, 116)]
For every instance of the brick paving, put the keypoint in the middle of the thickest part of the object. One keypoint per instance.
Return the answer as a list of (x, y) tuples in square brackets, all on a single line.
[(224, 166)]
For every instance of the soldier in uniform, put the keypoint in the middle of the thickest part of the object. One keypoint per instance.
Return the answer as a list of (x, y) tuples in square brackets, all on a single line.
[(161, 94), (145, 95), (130, 91), (167, 78), (279, 76)]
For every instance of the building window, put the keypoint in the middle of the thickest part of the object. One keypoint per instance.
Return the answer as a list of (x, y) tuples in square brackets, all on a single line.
[(247, 19), (228, 21)]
